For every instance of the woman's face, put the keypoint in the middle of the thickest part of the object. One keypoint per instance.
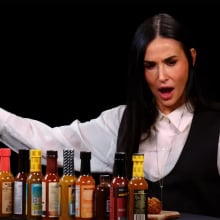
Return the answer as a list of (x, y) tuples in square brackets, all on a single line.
[(166, 72)]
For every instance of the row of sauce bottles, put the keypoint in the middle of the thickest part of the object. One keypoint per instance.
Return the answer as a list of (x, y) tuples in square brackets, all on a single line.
[(31, 196)]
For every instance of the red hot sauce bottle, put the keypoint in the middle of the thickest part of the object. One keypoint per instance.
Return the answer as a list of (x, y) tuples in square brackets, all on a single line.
[(102, 198), (50, 188), (119, 189)]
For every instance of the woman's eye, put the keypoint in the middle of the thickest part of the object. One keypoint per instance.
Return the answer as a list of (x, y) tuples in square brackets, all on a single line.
[(149, 65), (171, 62)]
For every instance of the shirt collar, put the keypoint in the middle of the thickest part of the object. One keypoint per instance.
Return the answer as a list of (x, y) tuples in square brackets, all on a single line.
[(180, 117)]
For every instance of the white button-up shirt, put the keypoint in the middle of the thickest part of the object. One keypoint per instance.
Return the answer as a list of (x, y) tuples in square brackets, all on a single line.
[(99, 136)]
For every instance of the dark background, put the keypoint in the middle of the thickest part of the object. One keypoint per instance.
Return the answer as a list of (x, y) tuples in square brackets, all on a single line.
[(62, 61)]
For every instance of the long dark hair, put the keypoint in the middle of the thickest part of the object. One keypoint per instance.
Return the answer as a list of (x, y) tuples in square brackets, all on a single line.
[(141, 111)]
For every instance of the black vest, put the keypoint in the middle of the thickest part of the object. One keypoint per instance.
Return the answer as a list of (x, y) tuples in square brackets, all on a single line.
[(193, 186)]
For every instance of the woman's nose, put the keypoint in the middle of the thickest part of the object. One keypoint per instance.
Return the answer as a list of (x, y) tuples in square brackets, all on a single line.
[(162, 76)]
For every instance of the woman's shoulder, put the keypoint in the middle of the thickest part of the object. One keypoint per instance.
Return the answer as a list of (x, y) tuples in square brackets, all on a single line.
[(209, 110), (209, 106), (117, 108), (117, 111), (111, 117)]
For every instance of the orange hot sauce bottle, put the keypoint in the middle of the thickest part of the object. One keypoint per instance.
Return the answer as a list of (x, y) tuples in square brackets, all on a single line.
[(85, 186), (67, 187)]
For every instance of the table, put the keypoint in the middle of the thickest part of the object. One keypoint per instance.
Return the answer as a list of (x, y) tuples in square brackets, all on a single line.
[(179, 216), (186, 216)]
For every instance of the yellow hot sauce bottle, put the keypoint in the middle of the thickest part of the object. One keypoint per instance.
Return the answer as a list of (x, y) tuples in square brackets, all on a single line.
[(34, 186), (138, 190)]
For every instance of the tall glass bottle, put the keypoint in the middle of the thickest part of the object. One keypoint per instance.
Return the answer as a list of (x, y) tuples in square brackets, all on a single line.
[(34, 186), (102, 198), (67, 187), (85, 186), (19, 209), (119, 189), (50, 188), (6, 184), (138, 190)]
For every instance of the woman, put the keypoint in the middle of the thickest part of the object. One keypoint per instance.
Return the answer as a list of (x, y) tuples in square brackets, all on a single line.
[(164, 118)]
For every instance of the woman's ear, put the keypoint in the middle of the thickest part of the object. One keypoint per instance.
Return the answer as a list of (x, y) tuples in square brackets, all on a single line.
[(193, 54)]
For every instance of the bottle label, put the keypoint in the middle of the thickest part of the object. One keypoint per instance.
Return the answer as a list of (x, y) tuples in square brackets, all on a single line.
[(36, 199), (71, 200), (107, 208), (44, 199), (122, 195), (53, 199), (53, 195), (68, 199), (59, 200), (87, 192), (77, 201), (118, 203), (140, 204), (26, 203), (18, 195), (84, 201), (7, 190)]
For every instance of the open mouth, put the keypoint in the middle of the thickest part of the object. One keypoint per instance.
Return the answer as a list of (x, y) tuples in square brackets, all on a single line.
[(166, 92)]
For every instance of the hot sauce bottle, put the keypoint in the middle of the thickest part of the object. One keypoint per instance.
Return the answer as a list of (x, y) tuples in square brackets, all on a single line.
[(67, 187), (102, 198), (34, 186), (19, 209), (85, 186), (6, 183), (50, 188), (119, 189), (138, 190)]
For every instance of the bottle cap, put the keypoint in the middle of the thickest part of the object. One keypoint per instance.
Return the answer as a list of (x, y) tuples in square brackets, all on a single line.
[(104, 178), (68, 154), (35, 153), (35, 157), (85, 155), (52, 154), (138, 157), (68, 161), (5, 152), (120, 155), (23, 153)]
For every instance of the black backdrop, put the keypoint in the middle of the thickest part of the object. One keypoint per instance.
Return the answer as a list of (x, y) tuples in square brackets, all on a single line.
[(66, 60)]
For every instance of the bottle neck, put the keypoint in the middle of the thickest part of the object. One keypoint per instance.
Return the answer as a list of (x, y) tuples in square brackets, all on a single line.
[(85, 167), (23, 164), (138, 169), (5, 164), (51, 165)]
